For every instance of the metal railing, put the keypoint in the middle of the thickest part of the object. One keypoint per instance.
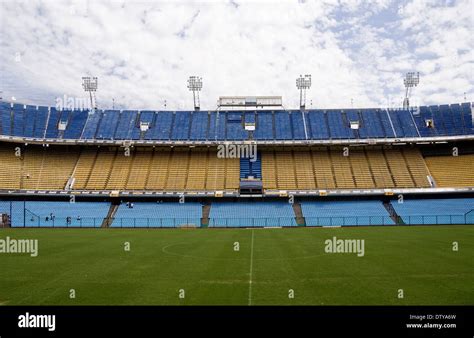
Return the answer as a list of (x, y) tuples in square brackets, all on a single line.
[(252, 222), (32, 220)]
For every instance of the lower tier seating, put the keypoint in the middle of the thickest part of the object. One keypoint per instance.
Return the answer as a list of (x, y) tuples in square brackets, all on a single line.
[(436, 211), (55, 214), (240, 213), (249, 214), (339, 213), (166, 214)]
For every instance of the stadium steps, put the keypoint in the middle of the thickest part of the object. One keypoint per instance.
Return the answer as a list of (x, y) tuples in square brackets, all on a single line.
[(159, 169), (378, 164), (197, 164), (304, 170), (360, 167), (101, 170), (393, 213), (84, 167), (398, 168), (140, 169), (323, 170), (417, 167), (299, 214), (120, 170), (341, 166), (387, 165), (108, 220), (206, 210)]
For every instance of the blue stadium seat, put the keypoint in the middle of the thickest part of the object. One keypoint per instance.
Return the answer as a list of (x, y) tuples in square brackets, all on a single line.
[(249, 168), (345, 213), (353, 115), (396, 123), (265, 127), (199, 126), (5, 118), (235, 126), (298, 122), (40, 122), (372, 124), (229, 125), (386, 124), (467, 117), (407, 123), (76, 123), (251, 214), (108, 124), (338, 128), (282, 126), (181, 125), (438, 119), (161, 128), (250, 117), (435, 211), (65, 214), (217, 125), (29, 121), (318, 125), (166, 214), (92, 124), (18, 119), (420, 120), (447, 119), (125, 125), (458, 121)]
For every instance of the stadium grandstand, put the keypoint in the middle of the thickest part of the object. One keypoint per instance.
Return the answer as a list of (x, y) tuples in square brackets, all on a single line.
[(128, 168)]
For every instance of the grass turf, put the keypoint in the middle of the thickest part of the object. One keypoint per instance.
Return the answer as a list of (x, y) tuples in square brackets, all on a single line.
[(203, 263)]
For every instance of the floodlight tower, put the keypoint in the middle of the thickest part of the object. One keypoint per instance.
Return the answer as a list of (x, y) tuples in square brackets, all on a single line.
[(303, 83), (195, 85), (90, 85), (411, 80)]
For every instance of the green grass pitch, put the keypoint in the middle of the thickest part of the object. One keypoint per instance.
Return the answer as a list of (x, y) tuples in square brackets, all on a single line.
[(203, 263)]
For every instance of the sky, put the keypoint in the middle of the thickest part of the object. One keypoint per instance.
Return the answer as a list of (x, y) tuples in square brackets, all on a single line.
[(143, 52)]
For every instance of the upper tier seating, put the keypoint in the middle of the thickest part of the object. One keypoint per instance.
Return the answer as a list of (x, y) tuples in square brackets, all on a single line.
[(43, 122), (260, 214)]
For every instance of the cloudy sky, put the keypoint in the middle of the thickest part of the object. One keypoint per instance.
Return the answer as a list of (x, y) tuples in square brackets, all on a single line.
[(143, 51)]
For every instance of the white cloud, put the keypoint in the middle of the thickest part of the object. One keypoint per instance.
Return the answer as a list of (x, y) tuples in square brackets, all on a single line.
[(144, 51)]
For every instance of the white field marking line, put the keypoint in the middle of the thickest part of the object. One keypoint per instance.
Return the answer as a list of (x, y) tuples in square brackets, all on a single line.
[(165, 250), (251, 270)]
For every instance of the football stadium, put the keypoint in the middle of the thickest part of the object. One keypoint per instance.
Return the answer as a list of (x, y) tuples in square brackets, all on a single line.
[(112, 194), (302, 176)]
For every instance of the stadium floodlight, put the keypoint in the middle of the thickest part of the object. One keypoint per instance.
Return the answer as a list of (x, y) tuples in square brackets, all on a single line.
[(195, 85), (411, 80), (90, 85), (303, 83)]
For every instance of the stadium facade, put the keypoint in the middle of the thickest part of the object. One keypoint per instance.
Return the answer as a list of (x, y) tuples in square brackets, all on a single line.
[(335, 167)]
